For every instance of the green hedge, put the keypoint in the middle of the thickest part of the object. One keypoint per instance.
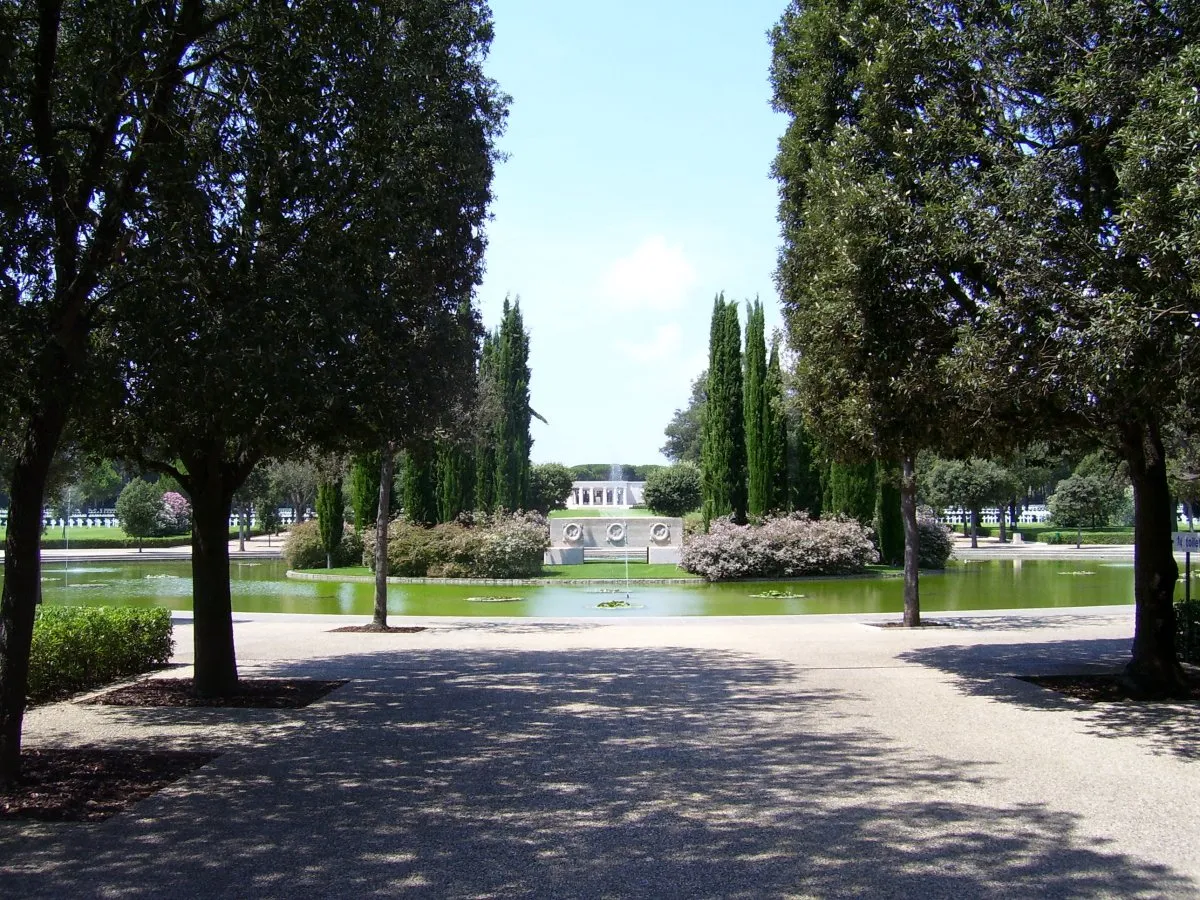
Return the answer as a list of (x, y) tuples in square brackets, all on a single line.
[(77, 648), (116, 543), (1088, 537)]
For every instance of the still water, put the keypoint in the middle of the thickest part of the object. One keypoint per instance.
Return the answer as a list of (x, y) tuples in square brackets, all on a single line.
[(260, 586)]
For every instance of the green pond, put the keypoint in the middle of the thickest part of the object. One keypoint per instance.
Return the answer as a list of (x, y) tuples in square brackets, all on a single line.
[(260, 586)]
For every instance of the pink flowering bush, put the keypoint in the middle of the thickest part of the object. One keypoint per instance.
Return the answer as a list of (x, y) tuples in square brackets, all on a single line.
[(781, 547), (176, 514)]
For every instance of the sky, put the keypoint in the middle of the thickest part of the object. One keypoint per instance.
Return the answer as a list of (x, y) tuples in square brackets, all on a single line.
[(636, 186)]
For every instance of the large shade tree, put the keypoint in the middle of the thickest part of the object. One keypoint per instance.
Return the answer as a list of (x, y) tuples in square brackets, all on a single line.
[(86, 91), (874, 277), (1090, 217)]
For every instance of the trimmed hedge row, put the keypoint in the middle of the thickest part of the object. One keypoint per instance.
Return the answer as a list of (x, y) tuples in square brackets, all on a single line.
[(1088, 537), (122, 543), (77, 648)]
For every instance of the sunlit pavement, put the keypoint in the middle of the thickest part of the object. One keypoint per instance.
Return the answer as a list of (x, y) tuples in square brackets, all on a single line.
[(814, 756)]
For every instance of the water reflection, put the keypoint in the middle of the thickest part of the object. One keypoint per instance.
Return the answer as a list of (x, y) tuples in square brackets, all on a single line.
[(260, 586)]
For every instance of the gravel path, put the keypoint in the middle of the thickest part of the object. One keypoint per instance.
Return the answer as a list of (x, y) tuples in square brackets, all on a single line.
[(765, 757)]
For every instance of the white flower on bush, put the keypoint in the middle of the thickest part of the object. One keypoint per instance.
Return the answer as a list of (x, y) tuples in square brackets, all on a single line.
[(782, 547)]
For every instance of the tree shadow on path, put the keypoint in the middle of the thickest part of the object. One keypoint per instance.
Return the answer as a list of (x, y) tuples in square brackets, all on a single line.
[(588, 773), (990, 670)]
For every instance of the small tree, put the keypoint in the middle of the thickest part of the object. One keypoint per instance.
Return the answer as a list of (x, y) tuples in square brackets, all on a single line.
[(139, 509), (1081, 500), (971, 484), (331, 510), (364, 489), (673, 491), (549, 485)]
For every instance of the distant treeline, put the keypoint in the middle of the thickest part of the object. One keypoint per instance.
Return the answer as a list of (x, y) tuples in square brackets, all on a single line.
[(607, 472)]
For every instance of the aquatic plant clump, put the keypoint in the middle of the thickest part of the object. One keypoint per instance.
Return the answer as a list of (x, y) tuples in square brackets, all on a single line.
[(782, 547)]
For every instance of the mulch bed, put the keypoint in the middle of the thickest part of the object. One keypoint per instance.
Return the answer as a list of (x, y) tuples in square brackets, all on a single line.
[(376, 629), (925, 623), (253, 693), (1106, 688), (89, 784)]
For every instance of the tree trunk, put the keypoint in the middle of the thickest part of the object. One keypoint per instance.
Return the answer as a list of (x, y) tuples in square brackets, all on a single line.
[(22, 589), (243, 521), (974, 529), (1154, 667), (1002, 519), (1079, 538), (387, 471), (23, 578), (912, 543), (212, 607), (329, 560)]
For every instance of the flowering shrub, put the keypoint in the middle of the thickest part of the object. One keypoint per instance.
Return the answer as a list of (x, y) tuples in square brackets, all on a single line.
[(782, 547), (935, 540), (475, 546), (176, 514)]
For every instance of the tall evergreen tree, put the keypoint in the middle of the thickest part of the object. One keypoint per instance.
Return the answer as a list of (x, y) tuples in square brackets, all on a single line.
[(489, 416), (455, 480), (852, 490), (331, 513), (805, 471), (364, 489), (889, 519), (754, 406), (723, 454), (775, 434), (420, 498), (513, 439)]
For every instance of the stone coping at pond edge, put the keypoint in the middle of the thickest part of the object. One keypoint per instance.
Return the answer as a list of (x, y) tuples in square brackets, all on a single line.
[(512, 582)]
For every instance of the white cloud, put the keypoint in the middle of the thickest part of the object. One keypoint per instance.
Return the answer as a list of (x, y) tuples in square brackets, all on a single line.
[(655, 276), (663, 346)]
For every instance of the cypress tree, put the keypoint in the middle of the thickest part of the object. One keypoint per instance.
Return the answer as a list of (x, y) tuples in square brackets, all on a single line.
[(485, 448), (723, 454), (889, 522), (364, 489), (754, 405), (805, 481), (775, 433), (420, 500), (455, 475), (513, 439), (852, 490), (331, 513)]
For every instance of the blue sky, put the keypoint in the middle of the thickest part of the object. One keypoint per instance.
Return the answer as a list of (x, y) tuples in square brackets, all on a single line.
[(637, 186)]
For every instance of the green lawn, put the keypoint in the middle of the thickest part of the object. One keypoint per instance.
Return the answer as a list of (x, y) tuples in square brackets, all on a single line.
[(587, 570), (598, 513)]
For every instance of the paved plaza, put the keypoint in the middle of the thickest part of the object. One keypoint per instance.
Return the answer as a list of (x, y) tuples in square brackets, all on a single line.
[(751, 757)]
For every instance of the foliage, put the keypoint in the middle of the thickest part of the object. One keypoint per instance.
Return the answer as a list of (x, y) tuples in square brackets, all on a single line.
[(775, 434), (303, 548), (139, 509), (723, 450), (1083, 500), (175, 515), (294, 481), (364, 489), (80, 648), (512, 435), (1084, 537), (852, 490), (684, 430), (420, 484), (673, 491), (480, 546), (455, 480), (1187, 629), (331, 512), (754, 407), (889, 527), (971, 484), (936, 544), (549, 485), (783, 547)]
